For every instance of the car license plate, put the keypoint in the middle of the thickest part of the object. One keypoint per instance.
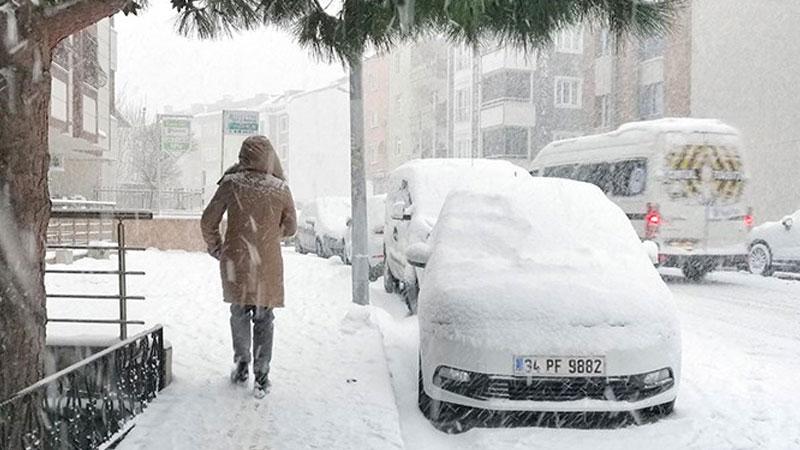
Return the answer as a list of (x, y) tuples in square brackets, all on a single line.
[(559, 366)]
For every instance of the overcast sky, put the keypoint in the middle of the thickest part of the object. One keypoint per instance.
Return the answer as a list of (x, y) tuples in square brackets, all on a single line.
[(166, 69)]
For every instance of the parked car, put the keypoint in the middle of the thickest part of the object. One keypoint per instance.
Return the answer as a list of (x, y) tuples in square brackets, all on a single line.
[(322, 225), (416, 192), (538, 296), (775, 246), (376, 206)]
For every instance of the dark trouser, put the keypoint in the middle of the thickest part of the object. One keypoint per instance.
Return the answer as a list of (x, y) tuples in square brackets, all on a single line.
[(263, 326)]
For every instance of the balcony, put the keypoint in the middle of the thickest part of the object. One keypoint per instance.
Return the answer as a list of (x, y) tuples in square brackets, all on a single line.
[(509, 114), (507, 58)]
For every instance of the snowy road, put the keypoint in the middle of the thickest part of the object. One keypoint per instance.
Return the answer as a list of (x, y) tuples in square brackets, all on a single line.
[(739, 388)]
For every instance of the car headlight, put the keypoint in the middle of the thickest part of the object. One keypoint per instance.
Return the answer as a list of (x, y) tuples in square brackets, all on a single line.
[(657, 378), (444, 373)]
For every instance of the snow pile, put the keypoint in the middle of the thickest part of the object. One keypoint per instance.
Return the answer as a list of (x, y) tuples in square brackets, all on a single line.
[(332, 214), (542, 260)]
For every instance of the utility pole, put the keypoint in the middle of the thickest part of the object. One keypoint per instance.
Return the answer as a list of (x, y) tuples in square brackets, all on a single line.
[(222, 144), (358, 186), (158, 165)]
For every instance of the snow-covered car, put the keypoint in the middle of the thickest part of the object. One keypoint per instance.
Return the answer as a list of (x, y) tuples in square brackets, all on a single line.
[(322, 225), (416, 192), (538, 296), (376, 206), (775, 246)]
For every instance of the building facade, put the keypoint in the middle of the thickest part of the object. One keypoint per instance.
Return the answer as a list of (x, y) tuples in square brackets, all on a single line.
[(376, 113), (83, 117), (319, 142), (418, 111)]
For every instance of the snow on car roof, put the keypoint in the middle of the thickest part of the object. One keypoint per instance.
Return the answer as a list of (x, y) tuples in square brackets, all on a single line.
[(430, 180), (625, 138), (332, 214), (529, 257)]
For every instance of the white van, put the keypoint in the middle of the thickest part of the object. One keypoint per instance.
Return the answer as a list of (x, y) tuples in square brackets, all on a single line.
[(680, 181), (416, 193)]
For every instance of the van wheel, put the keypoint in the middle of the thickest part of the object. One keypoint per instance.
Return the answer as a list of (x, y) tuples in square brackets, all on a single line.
[(759, 260), (696, 270), (410, 296), (442, 415), (319, 249), (389, 281)]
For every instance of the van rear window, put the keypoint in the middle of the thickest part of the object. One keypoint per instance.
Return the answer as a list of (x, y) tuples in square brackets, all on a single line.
[(621, 178)]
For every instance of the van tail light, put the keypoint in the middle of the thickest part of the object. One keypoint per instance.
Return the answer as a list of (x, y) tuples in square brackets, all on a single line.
[(652, 221), (749, 220)]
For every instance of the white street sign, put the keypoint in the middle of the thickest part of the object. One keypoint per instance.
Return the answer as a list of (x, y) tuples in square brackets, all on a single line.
[(176, 133), (241, 122)]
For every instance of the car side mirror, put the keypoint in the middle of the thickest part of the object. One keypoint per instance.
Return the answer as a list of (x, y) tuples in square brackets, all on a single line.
[(787, 223), (400, 212), (349, 222), (418, 254)]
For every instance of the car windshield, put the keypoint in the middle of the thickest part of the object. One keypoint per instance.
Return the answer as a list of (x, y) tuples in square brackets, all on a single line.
[(400, 224)]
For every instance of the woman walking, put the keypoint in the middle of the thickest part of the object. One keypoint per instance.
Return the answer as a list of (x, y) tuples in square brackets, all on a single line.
[(261, 213)]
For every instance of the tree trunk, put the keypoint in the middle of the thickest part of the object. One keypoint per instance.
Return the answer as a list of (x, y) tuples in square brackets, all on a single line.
[(358, 188), (24, 198), (28, 33)]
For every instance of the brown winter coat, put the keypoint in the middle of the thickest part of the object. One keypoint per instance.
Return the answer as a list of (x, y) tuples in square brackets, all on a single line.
[(260, 213)]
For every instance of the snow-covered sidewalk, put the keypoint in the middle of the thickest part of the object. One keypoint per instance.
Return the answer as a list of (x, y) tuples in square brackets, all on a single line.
[(331, 386)]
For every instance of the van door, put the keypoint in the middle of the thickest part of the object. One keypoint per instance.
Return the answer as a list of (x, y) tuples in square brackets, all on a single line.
[(704, 181)]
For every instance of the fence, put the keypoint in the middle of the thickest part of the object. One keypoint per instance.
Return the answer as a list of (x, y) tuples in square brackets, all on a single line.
[(84, 405), (170, 199), (122, 297)]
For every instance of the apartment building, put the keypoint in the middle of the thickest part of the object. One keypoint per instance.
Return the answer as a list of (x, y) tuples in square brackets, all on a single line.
[(83, 116), (418, 110), (508, 103), (375, 74)]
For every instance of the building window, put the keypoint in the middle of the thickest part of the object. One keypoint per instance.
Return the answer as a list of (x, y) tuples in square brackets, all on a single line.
[(603, 43), (511, 142), (568, 92), (462, 105), (373, 120), (569, 40), (58, 99), (602, 110), (651, 100), (507, 85), (651, 47), (90, 114), (398, 146), (283, 123), (371, 84)]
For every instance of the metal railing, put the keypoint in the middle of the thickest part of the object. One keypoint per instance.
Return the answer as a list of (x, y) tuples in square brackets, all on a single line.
[(170, 199), (121, 248), (74, 231), (86, 404)]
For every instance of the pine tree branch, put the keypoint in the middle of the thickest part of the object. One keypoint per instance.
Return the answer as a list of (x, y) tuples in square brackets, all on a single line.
[(68, 17)]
